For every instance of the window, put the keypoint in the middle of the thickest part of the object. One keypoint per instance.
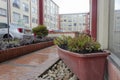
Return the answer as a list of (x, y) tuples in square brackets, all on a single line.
[(26, 19), (34, 1), (3, 12), (75, 24), (34, 20), (69, 25), (69, 20), (34, 10), (3, 25), (16, 3), (64, 20), (16, 17), (69, 29), (25, 7), (114, 37)]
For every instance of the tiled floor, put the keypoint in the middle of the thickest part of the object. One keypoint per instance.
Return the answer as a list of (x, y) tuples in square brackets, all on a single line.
[(29, 66)]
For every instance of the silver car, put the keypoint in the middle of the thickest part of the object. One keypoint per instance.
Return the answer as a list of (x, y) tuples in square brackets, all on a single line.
[(15, 31)]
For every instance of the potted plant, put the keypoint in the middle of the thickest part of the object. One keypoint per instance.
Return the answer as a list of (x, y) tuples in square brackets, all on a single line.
[(83, 56), (40, 31)]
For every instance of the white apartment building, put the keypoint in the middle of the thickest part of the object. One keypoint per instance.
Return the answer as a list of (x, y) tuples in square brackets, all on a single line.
[(23, 12), (3, 11), (50, 14), (74, 22)]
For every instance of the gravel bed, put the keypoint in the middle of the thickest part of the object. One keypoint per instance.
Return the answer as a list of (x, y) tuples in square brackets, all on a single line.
[(58, 71)]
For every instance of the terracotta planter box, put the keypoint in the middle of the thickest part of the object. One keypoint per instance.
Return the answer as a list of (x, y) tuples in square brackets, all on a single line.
[(18, 51), (85, 66)]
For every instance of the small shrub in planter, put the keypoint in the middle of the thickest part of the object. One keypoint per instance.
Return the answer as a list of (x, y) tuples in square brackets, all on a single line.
[(83, 44), (83, 56), (40, 31), (62, 42)]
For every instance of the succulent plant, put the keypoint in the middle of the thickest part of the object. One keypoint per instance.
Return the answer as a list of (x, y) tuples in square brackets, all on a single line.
[(82, 44), (4, 44), (62, 41)]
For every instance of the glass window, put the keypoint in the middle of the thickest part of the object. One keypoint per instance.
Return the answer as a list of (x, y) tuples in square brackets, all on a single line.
[(16, 3), (34, 10), (69, 29), (16, 17), (64, 20), (36, 21), (3, 25), (33, 20), (25, 7), (3, 12), (69, 25), (114, 37), (26, 19), (34, 1), (75, 24), (69, 20)]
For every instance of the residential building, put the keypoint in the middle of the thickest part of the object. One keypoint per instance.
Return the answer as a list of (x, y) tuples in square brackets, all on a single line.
[(74, 22), (3, 11), (23, 12), (49, 14)]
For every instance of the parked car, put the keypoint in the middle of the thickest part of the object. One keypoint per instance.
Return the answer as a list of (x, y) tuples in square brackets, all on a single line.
[(15, 31)]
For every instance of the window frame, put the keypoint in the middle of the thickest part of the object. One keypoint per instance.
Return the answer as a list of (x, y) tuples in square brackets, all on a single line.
[(16, 4), (1, 12)]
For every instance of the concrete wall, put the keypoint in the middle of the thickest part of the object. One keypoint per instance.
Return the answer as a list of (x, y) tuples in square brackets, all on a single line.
[(58, 34), (102, 22)]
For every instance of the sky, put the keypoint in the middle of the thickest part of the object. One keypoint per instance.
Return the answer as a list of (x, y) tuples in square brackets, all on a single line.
[(72, 6), (117, 4)]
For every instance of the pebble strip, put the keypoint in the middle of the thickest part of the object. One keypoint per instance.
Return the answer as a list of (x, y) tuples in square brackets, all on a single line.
[(58, 71)]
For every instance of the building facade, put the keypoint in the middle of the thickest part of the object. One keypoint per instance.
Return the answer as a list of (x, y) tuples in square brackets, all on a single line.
[(74, 22), (49, 14), (3, 11), (23, 12)]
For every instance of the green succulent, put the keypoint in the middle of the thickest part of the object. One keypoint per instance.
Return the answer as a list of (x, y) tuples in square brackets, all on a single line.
[(62, 41), (81, 44)]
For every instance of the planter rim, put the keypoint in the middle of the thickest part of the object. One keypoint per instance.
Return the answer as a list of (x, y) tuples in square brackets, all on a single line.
[(98, 54)]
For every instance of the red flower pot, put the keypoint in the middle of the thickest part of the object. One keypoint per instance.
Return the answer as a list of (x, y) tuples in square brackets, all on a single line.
[(85, 66)]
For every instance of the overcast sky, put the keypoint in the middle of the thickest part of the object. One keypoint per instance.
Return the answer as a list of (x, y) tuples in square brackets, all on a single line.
[(117, 4), (72, 6)]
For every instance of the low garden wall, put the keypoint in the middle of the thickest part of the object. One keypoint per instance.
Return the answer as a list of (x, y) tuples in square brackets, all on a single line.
[(22, 50), (56, 34)]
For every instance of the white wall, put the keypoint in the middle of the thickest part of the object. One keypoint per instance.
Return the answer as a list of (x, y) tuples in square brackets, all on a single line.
[(102, 22)]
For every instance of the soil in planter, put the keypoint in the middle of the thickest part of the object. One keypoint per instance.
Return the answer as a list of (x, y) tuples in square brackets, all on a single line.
[(58, 71), (65, 47)]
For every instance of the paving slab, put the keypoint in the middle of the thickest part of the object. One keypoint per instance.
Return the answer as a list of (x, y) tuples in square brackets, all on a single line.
[(30, 66)]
